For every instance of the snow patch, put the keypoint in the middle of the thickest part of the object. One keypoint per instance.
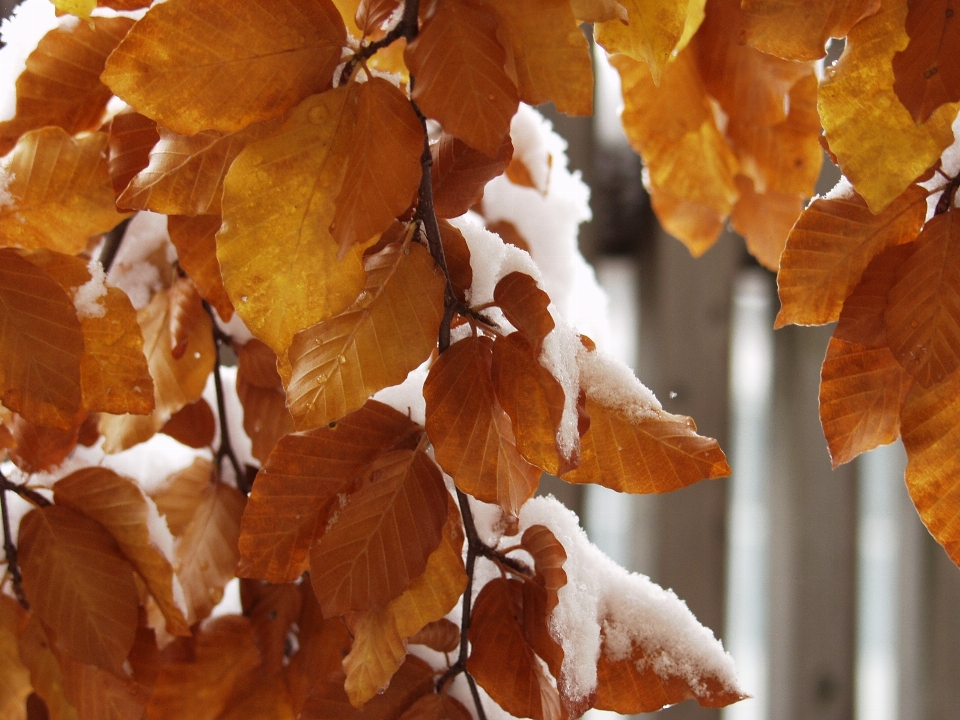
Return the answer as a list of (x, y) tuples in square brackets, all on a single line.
[(407, 397), (132, 270), (30, 21), (843, 190), (86, 298), (612, 384), (6, 177)]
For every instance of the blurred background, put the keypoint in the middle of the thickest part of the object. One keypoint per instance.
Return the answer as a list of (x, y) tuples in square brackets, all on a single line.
[(823, 584)]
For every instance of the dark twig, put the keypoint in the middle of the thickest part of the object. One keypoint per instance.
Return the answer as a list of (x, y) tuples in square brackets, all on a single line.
[(31, 496), (111, 244), (949, 193), (9, 549), (406, 28)]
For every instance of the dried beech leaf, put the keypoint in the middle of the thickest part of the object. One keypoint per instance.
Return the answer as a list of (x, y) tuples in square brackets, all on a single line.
[(437, 707), (182, 493), (302, 477), (193, 425), (41, 344), (457, 254), (862, 319), (440, 635), (237, 61), (125, 4), (526, 306), (461, 80), (96, 693), (284, 186), (186, 309), (831, 245), (380, 542), (60, 85), (926, 72), (811, 25), (372, 14), (878, 145), (79, 584), (14, 676), (131, 138), (471, 434), (459, 173), (598, 11), (549, 557), (265, 415), (36, 448), (652, 35), (391, 329), (176, 382), (655, 453), (119, 505), (383, 170), (765, 220), (58, 191), (272, 610), (46, 678), (267, 698), (195, 239)]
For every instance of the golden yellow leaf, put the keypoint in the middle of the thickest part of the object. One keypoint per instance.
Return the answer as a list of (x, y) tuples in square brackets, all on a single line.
[(652, 35), (14, 676), (176, 382), (236, 61), (80, 584), (696, 224), (878, 145), (80, 8), (597, 11), (285, 185), (61, 82), (59, 191), (348, 13), (339, 363), (926, 72), (118, 504), (800, 30)]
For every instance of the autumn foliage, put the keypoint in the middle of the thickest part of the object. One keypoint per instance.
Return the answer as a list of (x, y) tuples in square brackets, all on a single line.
[(308, 160)]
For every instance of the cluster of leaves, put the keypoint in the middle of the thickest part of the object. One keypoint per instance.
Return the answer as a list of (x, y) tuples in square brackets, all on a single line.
[(303, 191)]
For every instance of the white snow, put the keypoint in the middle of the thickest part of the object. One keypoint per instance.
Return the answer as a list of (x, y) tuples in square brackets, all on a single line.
[(559, 356), (949, 168), (407, 397), (31, 20), (843, 190), (132, 271), (6, 176), (612, 384), (239, 441), (86, 298)]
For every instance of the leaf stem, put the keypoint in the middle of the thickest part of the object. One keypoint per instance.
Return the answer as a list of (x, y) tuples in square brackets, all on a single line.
[(949, 193), (9, 549), (111, 244)]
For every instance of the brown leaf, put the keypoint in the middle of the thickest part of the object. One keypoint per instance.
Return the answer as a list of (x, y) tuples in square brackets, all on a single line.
[(461, 81), (440, 635), (497, 632), (118, 504), (182, 493), (380, 541), (655, 453), (764, 220), (810, 25), (923, 307), (459, 173), (862, 318), (861, 391), (176, 382), (293, 493), (42, 344), (193, 425), (457, 254), (925, 74), (437, 707), (383, 170), (595, 11), (79, 584), (236, 63), (316, 668), (526, 306), (14, 676), (37, 654), (132, 137), (267, 698), (38, 447), (98, 694), (392, 328), (830, 246), (372, 14), (471, 434), (265, 415), (125, 4), (60, 85), (548, 557), (272, 609), (186, 309), (195, 239)]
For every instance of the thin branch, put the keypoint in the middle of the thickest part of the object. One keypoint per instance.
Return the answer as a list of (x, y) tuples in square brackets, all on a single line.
[(31, 496), (949, 193), (10, 551), (407, 28), (111, 244)]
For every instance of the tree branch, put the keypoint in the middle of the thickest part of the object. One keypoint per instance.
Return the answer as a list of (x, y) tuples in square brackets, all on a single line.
[(31, 496), (407, 28), (949, 193), (111, 244), (9, 549)]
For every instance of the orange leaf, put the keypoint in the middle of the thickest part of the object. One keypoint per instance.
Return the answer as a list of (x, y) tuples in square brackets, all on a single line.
[(186, 309), (265, 415), (193, 425), (181, 494), (195, 239), (831, 245), (810, 25), (267, 698), (497, 632), (457, 254), (437, 707), (38, 447), (471, 434), (653, 453), (461, 79), (45, 674), (380, 542), (96, 693), (383, 170), (440, 635), (861, 391), (14, 676), (272, 610), (119, 505), (60, 85), (459, 173), (652, 32), (548, 53), (79, 584), (236, 63), (176, 382), (532, 397), (293, 493), (42, 344), (923, 308), (526, 306), (372, 14), (596, 11), (549, 557), (764, 220), (392, 328), (132, 137), (184, 174), (926, 73), (58, 191)]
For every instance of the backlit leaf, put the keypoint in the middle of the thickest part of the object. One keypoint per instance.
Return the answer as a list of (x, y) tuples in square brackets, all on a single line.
[(861, 391), (525, 306), (497, 632), (471, 434), (830, 246), (41, 344), (461, 80), (459, 173), (652, 35), (926, 74), (14, 676), (549, 557), (764, 220), (237, 62), (548, 53), (862, 319), (653, 453), (80, 8), (195, 239), (181, 494), (265, 415), (61, 83), (119, 505), (38, 447), (293, 493), (79, 584), (696, 224), (811, 25), (192, 425), (132, 137), (380, 542), (58, 191), (596, 11), (176, 382), (284, 186), (391, 329), (923, 308), (879, 147), (440, 635), (383, 171)]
